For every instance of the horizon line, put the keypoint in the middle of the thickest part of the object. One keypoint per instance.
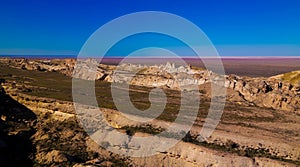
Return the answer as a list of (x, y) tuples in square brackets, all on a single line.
[(139, 57)]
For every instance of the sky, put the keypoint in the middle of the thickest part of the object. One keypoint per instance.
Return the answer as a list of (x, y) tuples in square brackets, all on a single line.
[(236, 28)]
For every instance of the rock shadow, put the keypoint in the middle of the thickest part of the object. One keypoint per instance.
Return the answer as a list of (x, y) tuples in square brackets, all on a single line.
[(16, 122)]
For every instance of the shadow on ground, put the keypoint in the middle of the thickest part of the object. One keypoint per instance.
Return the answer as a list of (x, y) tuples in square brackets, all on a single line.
[(15, 132)]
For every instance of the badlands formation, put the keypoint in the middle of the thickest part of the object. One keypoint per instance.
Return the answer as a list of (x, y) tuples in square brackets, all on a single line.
[(259, 126), (273, 92)]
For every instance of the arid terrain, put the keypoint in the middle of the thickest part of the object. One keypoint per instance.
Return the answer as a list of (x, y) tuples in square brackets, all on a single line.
[(252, 67), (260, 125)]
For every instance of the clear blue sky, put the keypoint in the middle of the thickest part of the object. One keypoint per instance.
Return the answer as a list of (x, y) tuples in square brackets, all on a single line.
[(236, 27)]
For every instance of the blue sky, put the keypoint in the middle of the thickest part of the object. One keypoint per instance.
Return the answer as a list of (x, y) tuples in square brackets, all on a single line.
[(235, 27)]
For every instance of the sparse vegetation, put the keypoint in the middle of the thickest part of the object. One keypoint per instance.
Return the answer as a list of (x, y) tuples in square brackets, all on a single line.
[(292, 77), (130, 130), (229, 146)]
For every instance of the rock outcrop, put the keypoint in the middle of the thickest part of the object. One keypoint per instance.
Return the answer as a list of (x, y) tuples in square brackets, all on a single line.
[(267, 92), (55, 65)]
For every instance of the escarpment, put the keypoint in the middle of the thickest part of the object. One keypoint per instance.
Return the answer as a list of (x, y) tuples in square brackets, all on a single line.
[(274, 92), (259, 125)]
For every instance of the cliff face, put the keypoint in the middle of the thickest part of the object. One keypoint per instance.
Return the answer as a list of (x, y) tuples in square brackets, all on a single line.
[(267, 92)]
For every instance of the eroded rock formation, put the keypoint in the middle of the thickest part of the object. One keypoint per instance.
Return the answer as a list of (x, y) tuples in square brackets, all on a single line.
[(271, 92)]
